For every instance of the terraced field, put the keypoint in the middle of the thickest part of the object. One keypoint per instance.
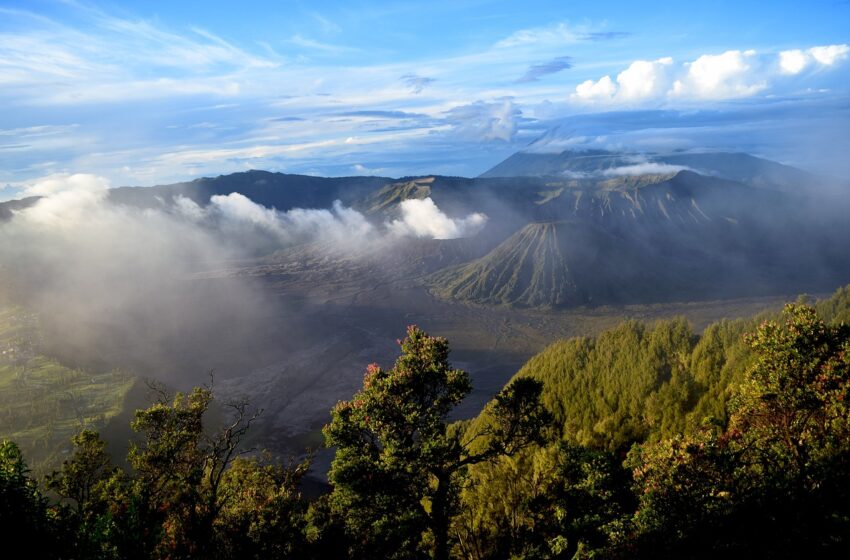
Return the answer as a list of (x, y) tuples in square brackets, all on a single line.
[(43, 402)]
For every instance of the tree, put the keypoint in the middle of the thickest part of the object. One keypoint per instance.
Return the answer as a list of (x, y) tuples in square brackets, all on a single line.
[(686, 487), (191, 494), (82, 481), (399, 464), (790, 424), (793, 412), (263, 515), (180, 468), (89, 466), (25, 520)]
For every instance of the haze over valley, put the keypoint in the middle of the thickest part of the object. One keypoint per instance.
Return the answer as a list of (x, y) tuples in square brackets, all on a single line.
[(285, 285)]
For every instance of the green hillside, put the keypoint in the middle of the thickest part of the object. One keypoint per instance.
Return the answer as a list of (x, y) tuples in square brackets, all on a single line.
[(637, 381), (43, 402)]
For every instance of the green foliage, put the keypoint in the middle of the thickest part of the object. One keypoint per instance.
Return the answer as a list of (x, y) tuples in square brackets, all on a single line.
[(559, 501), (775, 482), (741, 439), (196, 498), (836, 309), (629, 383), (262, 515), (792, 414), (398, 467), (637, 382), (683, 485), (189, 495), (83, 472)]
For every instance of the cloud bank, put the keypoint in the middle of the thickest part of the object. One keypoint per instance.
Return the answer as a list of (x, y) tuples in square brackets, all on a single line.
[(116, 285), (732, 74), (150, 289), (237, 215)]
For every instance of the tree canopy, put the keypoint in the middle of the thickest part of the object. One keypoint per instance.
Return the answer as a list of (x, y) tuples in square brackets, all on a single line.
[(399, 464)]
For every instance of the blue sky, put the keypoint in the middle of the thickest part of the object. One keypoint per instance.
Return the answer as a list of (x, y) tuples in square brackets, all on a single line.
[(148, 92)]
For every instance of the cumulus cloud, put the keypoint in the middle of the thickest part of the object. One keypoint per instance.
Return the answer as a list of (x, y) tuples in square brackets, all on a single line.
[(794, 61), (643, 79), (732, 74), (482, 121), (65, 182), (422, 218), (600, 90), (66, 199), (830, 54), (723, 76), (344, 227)]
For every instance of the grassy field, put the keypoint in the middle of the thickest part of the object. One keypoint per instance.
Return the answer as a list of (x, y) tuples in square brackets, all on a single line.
[(42, 402)]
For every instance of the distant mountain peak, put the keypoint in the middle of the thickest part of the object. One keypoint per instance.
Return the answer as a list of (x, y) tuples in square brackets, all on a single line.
[(598, 163)]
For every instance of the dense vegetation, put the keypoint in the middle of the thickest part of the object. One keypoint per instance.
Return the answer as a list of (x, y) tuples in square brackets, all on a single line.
[(645, 442), (639, 382)]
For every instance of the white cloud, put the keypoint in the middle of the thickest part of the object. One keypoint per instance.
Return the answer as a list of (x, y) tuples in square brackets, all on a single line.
[(643, 79), (710, 77), (361, 169), (67, 200), (601, 90), (239, 216), (64, 182), (644, 169), (239, 208), (307, 43), (830, 54), (721, 76), (189, 208), (422, 218), (793, 61)]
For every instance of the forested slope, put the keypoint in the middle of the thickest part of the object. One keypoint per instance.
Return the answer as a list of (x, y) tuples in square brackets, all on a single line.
[(640, 381), (635, 467)]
